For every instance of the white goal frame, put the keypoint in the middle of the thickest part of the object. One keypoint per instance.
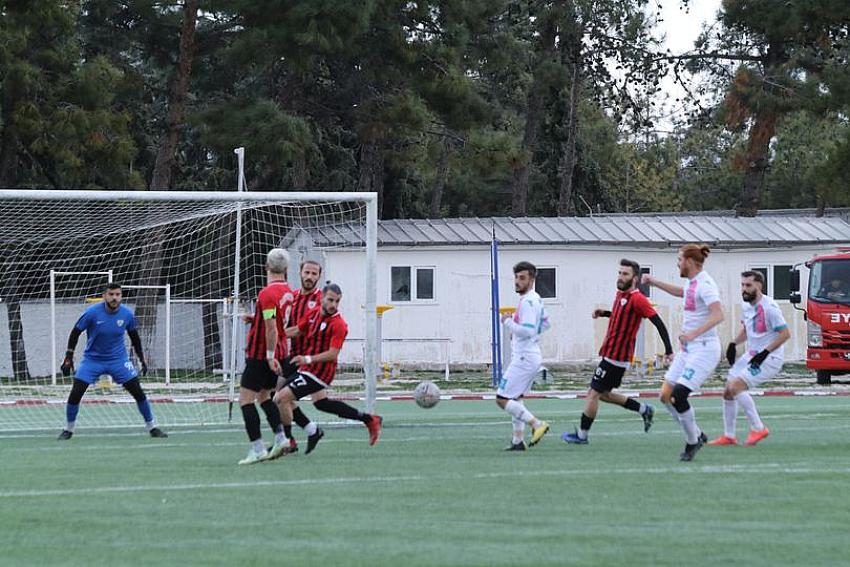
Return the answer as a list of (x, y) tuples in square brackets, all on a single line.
[(370, 199)]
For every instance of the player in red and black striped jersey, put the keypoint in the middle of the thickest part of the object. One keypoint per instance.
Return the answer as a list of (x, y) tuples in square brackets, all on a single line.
[(324, 332), (307, 299), (261, 363), (630, 308)]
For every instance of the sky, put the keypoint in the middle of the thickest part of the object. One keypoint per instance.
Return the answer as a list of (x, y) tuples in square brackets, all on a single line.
[(681, 28)]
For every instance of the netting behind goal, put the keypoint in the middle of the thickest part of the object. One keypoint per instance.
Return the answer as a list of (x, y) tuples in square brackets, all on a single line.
[(189, 264)]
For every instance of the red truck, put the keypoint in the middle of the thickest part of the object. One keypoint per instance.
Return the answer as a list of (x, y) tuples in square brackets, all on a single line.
[(827, 313)]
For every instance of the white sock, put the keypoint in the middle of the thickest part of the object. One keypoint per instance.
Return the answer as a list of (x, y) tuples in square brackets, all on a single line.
[(517, 410), (673, 412), (310, 428), (150, 425), (688, 420), (749, 405), (582, 433), (258, 446), (642, 409), (280, 438), (70, 425), (730, 415), (519, 430)]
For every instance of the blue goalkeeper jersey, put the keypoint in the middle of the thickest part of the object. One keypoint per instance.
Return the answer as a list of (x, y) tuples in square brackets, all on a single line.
[(105, 332)]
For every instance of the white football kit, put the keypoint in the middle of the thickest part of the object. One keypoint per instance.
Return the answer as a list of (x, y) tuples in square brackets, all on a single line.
[(762, 323), (528, 321), (693, 365)]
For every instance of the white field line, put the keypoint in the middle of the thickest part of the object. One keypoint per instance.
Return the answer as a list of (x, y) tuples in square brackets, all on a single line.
[(764, 468), (633, 432)]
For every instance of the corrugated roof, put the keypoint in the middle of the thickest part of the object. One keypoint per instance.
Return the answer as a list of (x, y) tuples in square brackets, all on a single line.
[(632, 230)]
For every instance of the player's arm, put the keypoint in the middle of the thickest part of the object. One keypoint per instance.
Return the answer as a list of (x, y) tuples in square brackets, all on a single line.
[(329, 355), (672, 289), (68, 362), (270, 327), (293, 331), (731, 350), (600, 313), (662, 332), (715, 317), (783, 334), (136, 341)]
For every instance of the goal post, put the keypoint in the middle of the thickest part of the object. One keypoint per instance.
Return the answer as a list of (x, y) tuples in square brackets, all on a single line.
[(190, 263)]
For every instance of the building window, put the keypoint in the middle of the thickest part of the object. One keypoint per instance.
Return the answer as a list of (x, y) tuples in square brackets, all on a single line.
[(782, 282), (411, 283), (644, 288), (545, 282), (777, 280)]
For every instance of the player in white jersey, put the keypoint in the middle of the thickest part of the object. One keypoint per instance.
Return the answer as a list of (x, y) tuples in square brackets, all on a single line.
[(525, 325), (765, 330), (699, 345)]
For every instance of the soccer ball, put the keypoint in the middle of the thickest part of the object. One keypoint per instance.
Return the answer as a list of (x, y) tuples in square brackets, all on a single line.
[(426, 394)]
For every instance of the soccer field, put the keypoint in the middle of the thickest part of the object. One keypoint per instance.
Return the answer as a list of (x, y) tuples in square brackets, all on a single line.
[(438, 490)]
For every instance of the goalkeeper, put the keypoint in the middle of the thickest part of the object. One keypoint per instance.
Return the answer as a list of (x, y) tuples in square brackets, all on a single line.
[(105, 325)]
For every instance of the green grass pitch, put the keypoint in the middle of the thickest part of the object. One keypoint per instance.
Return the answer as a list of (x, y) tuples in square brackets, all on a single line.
[(438, 490)]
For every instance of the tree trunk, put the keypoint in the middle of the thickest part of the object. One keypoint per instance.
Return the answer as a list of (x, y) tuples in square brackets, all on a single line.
[(440, 178), (10, 289), (533, 120), (166, 155), (567, 161), (371, 171), (757, 156)]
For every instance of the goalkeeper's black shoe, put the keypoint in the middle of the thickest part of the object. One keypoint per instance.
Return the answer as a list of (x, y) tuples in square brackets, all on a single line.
[(157, 432), (313, 440), (516, 446), (65, 435)]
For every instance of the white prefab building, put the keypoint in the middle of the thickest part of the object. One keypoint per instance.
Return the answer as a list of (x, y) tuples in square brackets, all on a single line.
[(436, 276)]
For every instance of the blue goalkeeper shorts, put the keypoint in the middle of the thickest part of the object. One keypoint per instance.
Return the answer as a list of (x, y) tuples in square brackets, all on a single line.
[(121, 370)]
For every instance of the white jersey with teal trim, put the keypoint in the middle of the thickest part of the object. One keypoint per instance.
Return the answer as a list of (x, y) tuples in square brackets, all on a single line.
[(700, 292), (763, 322), (528, 321)]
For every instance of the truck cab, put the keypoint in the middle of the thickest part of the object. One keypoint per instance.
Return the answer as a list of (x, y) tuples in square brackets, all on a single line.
[(827, 313)]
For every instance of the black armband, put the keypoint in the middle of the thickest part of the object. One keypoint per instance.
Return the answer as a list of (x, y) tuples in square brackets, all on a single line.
[(606, 313)]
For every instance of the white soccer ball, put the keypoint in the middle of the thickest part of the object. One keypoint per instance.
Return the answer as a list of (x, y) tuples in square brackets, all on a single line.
[(426, 394)]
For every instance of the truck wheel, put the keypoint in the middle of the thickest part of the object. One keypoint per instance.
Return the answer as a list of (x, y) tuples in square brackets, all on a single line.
[(824, 377)]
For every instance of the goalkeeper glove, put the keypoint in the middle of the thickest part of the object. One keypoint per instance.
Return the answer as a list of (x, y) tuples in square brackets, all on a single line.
[(731, 353), (67, 366), (144, 365), (756, 361)]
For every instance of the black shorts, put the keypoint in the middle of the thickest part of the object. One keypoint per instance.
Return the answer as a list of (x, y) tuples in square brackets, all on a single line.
[(258, 376), (287, 369), (303, 385), (607, 377)]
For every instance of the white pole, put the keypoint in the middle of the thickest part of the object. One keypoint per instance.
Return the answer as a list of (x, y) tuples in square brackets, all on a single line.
[(370, 363), (237, 258), (167, 334), (52, 328)]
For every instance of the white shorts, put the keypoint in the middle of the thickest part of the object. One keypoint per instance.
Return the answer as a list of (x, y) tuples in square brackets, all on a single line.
[(694, 365), (519, 376), (755, 377)]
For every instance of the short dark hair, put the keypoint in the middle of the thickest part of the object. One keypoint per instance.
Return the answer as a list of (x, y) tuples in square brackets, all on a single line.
[(308, 261), (526, 267), (633, 265), (755, 274), (332, 287), (113, 285)]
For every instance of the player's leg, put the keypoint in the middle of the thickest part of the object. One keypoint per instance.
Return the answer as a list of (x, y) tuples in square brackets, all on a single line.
[(72, 406), (753, 378), (249, 388), (670, 377), (288, 372), (734, 386), (515, 382), (281, 445), (322, 402), (134, 388), (646, 411)]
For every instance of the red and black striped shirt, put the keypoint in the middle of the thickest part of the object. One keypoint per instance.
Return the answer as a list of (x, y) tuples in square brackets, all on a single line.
[(275, 300), (321, 332), (630, 308), (303, 304)]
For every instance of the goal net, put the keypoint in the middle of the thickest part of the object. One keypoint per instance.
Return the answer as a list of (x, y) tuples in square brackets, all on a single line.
[(190, 264)]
